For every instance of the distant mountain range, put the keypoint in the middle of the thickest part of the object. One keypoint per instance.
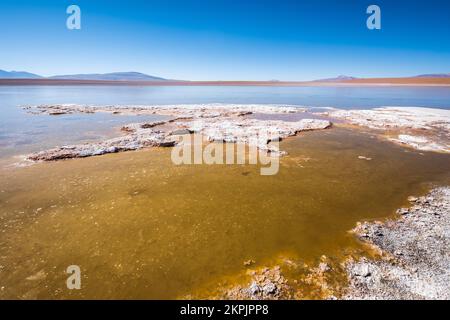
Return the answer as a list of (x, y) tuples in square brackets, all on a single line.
[(338, 78), (137, 76), (115, 76), (18, 75), (434, 75), (345, 78)]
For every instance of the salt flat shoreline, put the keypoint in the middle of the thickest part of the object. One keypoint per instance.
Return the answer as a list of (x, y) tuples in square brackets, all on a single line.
[(414, 249), (424, 129), (409, 261)]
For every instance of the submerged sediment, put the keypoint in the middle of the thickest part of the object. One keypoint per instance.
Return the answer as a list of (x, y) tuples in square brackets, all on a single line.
[(320, 281)]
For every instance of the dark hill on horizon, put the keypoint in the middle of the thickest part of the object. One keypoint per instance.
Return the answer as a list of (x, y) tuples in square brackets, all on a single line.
[(114, 76), (18, 75), (434, 75), (338, 78)]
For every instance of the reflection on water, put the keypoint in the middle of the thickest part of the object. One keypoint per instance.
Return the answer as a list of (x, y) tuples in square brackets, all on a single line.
[(140, 227)]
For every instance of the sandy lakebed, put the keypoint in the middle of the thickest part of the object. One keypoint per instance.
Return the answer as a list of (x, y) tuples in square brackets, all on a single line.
[(358, 210)]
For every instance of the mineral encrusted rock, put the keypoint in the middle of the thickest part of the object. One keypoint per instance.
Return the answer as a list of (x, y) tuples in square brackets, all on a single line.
[(421, 143), (135, 139), (265, 284), (252, 131), (415, 261)]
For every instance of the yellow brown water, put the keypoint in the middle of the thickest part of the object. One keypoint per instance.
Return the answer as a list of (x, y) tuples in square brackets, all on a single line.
[(141, 227)]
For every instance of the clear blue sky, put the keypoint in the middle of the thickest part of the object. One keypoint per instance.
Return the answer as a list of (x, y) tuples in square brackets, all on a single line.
[(227, 39)]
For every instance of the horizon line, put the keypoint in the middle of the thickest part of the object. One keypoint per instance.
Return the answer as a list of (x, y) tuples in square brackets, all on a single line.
[(398, 81)]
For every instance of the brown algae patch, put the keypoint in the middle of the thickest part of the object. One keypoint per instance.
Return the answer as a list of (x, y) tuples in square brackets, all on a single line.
[(141, 227), (286, 277)]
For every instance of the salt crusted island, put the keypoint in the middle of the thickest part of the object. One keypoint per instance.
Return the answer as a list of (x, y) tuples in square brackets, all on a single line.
[(220, 123), (423, 129)]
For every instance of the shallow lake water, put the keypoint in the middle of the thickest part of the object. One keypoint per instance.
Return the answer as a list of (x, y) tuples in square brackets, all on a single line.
[(141, 227)]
